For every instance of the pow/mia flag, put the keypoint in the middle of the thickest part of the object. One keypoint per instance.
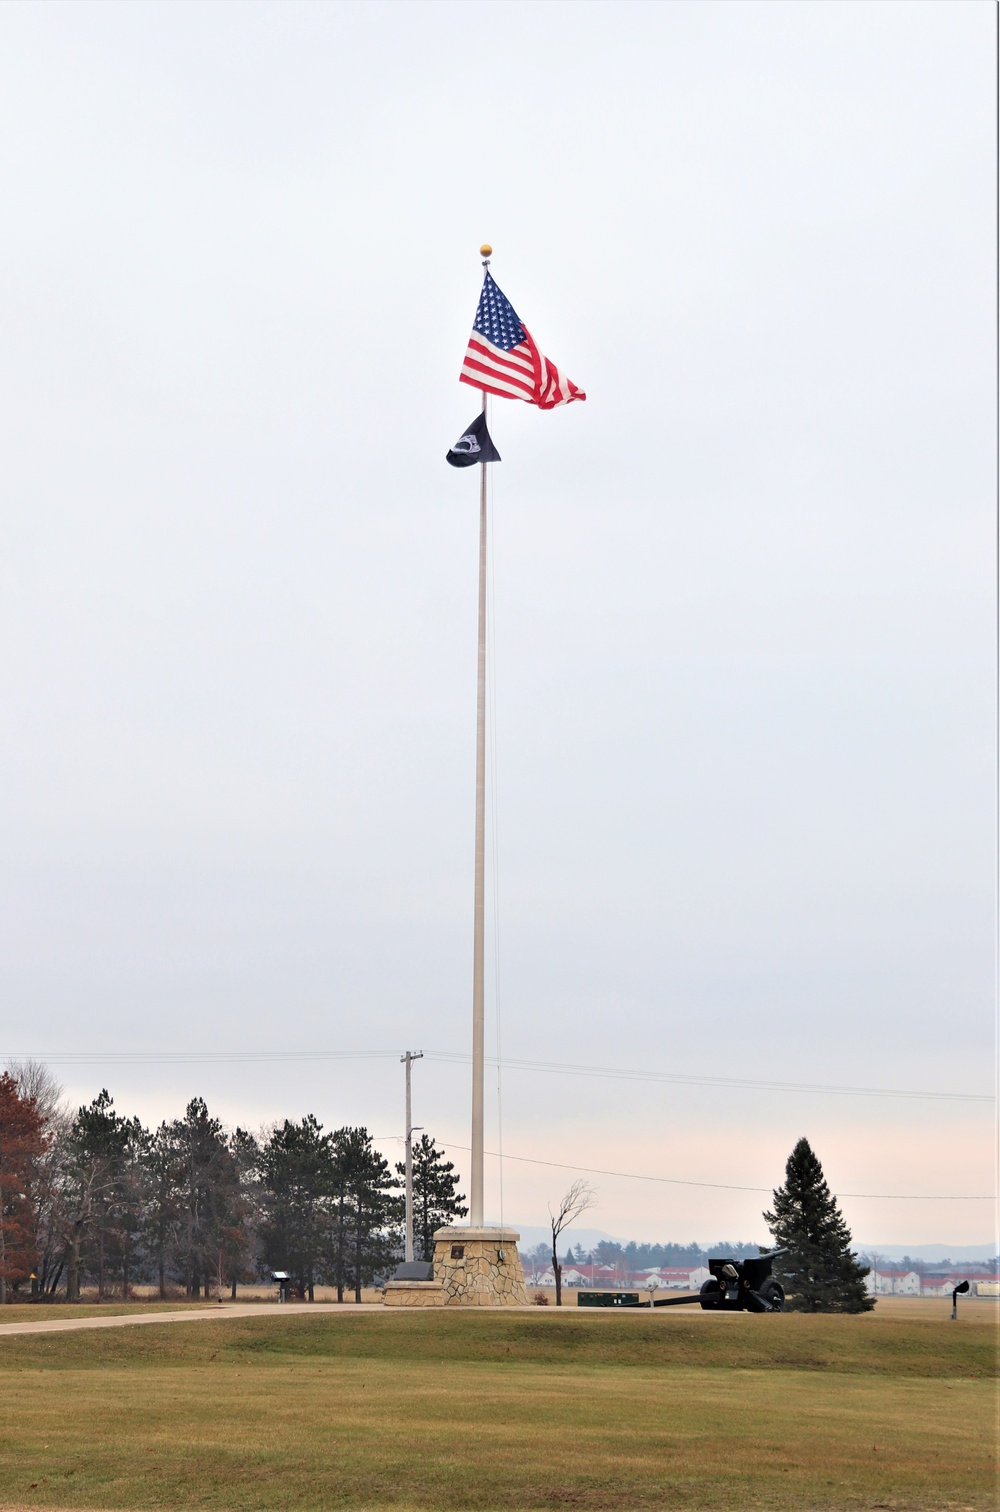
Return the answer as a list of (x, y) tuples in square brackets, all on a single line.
[(475, 446)]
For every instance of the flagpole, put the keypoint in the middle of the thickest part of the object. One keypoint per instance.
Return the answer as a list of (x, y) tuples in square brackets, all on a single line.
[(476, 1218)]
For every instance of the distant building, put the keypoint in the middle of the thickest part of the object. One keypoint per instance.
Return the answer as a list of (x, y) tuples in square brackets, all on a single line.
[(939, 1285), (894, 1282), (940, 1282), (570, 1277), (679, 1277)]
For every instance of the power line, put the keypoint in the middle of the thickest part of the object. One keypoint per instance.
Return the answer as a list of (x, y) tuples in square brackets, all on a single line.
[(726, 1186), (677, 1078), (135, 1058), (446, 1057), (194, 1057)]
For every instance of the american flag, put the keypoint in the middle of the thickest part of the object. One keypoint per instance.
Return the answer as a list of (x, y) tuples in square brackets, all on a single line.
[(503, 359)]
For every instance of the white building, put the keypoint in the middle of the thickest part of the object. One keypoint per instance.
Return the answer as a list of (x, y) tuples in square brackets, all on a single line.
[(891, 1283), (570, 1277)]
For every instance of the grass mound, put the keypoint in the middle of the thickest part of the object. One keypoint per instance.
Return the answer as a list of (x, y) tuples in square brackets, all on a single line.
[(464, 1410), (792, 1341)]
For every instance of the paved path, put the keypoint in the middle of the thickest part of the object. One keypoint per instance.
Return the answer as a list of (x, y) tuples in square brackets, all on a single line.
[(190, 1315)]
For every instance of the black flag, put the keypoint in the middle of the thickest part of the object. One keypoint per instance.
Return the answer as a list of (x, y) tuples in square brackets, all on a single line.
[(474, 446)]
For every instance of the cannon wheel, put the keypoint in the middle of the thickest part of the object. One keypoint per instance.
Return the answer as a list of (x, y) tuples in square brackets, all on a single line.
[(772, 1291), (711, 1293)]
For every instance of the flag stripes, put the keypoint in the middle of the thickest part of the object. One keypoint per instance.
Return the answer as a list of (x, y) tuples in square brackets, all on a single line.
[(502, 357), (509, 374)]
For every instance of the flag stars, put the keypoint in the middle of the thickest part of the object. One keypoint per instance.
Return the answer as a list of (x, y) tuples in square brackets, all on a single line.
[(496, 318)]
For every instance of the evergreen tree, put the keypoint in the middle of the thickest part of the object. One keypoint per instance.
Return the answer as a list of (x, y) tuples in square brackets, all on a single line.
[(297, 1188), (365, 1207), (819, 1271), (209, 1193), (130, 1198), (343, 1143), (436, 1201), (245, 1217), (91, 1173), (162, 1218)]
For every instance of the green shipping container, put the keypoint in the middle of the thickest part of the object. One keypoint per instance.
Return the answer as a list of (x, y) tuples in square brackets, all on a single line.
[(607, 1299)]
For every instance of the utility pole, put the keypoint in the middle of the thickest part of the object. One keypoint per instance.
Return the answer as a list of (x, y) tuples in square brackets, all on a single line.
[(407, 1060)]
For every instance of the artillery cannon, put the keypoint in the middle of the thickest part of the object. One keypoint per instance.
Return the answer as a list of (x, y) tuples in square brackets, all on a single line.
[(733, 1286), (738, 1286)]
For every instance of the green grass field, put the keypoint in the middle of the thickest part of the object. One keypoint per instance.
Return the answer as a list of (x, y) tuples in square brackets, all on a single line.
[(504, 1410), (50, 1312)]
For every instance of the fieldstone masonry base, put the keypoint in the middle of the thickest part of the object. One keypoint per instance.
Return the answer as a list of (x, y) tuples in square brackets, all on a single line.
[(414, 1294), (479, 1267)]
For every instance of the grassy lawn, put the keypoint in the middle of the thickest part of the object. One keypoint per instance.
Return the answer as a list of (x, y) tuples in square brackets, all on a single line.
[(517, 1410), (51, 1312)]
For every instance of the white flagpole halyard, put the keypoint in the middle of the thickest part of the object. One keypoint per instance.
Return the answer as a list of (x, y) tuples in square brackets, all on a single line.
[(476, 1219)]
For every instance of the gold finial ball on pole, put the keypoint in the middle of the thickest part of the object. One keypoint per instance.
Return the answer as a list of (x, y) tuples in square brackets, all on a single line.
[(486, 250)]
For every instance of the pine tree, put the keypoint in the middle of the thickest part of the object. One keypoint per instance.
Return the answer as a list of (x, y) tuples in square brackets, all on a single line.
[(131, 1197), (365, 1209), (208, 1191), (241, 1234), (818, 1270), (91, 1170), (164, 1202), (297, 1187), (436, 1200)]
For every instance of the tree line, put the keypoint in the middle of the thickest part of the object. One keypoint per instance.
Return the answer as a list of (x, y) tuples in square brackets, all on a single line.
[(93, 1198), (634, 1256)]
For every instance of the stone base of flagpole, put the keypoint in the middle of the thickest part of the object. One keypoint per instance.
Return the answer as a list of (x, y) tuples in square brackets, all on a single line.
[(479, 1267), (414, 1294)]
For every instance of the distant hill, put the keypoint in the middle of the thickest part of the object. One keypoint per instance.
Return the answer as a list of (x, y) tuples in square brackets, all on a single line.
[(932, 1253)]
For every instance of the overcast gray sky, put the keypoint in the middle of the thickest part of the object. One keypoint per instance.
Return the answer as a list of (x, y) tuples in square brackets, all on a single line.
[(743, 595)]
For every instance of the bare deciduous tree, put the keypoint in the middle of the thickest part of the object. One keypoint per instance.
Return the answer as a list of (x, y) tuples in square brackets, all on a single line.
[(36, 1083), (577, 1200)]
